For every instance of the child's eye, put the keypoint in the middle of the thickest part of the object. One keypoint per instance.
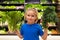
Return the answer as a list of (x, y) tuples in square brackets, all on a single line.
[(32, 15), (28, 15)]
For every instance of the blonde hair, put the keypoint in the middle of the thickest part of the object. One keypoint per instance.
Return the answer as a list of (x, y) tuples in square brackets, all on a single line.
[(35, 12)]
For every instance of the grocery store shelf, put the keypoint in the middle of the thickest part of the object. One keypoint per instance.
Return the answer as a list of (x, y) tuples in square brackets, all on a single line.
[(50, 4), (7, 34), (54, 34), (16, 34), (45, 4), (52, 27), (3, 4), (11, 9)]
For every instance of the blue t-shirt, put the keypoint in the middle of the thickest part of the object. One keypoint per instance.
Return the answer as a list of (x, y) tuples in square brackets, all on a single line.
[(31, 31)]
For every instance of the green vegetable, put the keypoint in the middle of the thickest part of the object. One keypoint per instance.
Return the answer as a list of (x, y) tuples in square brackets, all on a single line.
[(49, 15)]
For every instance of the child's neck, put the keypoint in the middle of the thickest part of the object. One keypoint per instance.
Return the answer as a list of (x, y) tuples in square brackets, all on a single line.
[(30, 23)]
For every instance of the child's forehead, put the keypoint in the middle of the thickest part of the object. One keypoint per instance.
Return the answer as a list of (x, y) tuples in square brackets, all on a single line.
[(31, 12)]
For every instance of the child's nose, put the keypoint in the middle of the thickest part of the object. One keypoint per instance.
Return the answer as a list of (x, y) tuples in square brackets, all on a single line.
[(30, 17)]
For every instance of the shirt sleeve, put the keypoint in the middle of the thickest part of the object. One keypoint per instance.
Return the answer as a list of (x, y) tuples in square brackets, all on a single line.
[(40, 31)]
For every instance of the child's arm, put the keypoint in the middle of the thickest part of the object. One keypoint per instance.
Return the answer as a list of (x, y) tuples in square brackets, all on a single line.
[(18, 33), (44, 37)]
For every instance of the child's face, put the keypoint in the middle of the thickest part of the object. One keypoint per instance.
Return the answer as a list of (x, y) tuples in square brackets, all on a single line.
[(30, 17)]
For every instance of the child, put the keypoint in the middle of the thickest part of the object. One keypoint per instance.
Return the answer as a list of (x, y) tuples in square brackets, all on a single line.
[(31, 30)]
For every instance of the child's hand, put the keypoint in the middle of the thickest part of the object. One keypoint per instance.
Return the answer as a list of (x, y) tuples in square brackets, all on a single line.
[(47, 24), (16, 31)]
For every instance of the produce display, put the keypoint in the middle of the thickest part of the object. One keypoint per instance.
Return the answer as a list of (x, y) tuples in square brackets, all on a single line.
[(7, 7), (14, 19), (49, 15), (12, 1), (47, 1)]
